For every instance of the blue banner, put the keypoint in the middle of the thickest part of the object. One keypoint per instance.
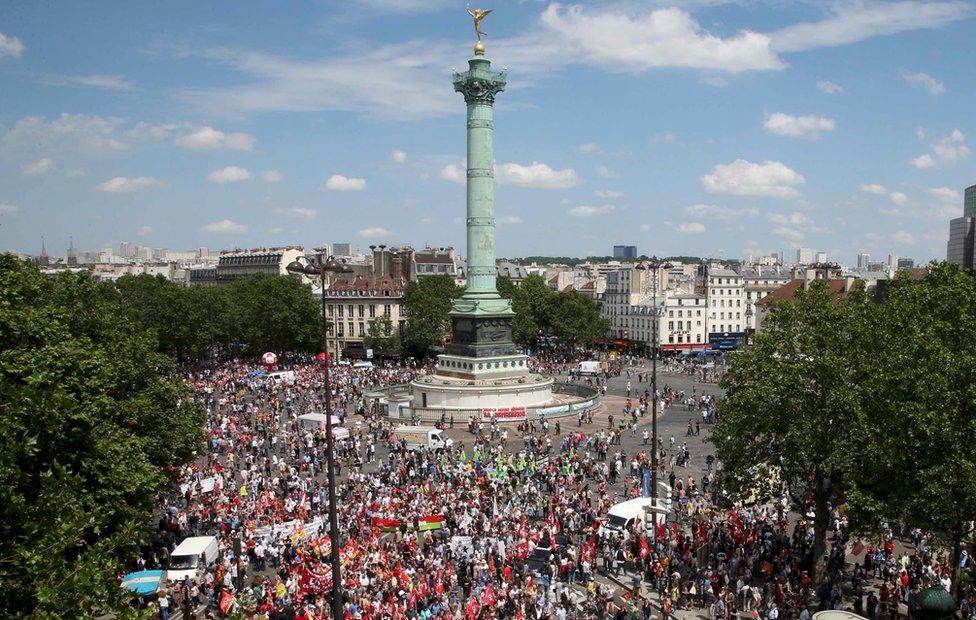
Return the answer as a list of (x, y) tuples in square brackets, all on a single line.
[(646, 483)]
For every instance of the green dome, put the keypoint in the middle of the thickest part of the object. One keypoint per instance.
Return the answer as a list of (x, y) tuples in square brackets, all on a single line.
[(935, 603)]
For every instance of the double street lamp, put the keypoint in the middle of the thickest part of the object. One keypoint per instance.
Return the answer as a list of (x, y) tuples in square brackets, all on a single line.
[(319, 266), (654, 265)]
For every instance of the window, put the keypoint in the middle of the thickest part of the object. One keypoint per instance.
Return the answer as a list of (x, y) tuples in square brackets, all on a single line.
[(670, 325), (697, 337), (340, 307), (352, 329), (680, 338), (738, 317), (670, 337), (330, 310), (340, 333), (372, 311), (362, 329), (671, 313), (387, 309), (362, 310)]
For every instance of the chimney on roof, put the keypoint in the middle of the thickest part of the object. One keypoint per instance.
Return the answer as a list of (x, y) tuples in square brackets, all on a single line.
[(398, 268)]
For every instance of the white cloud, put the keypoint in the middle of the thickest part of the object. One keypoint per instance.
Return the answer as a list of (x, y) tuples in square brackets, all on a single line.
[(874, 188), (857, 21), (74, 173), (588, 211), (664, 37), (829, 87), (340, 183), (398, 156), (606, 173), (145, 231), (271, 176), (405, 6), (923, 80), (946, 195), (124, 185), (10, 46), (535, 175), (713, 212), (898, 198), (230, 174), (744, 178), (946, 151), (691, 228), (589, 147), (609, 193), (39, 167), (374, 232), (300, 212), (68, 132), (785, 232), (454, 173), (903, 237), (508, 220), (107, 82), (225, 226), (6, 207), (923, 161), (210, 138), (808, 127)]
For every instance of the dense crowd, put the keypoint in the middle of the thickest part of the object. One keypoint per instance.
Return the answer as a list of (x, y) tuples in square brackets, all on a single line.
[(507, 523)]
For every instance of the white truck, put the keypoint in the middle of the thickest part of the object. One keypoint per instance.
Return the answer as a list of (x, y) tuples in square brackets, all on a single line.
[(191, 557), (589, 368), (417, 437)]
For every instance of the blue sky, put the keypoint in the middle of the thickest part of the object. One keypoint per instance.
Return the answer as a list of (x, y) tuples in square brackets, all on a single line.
[(694, 127)]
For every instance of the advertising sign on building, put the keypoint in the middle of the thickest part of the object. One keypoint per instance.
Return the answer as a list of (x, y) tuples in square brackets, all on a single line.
[(504, 413)]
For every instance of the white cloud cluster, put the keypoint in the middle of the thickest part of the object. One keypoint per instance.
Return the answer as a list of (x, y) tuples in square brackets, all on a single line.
[(230, 174), (210, 138), (589, 147), (10, 46), (127, 185), (713, 212), (829, 87), (341, 183), (375, 232), (874, 188), (691, 228), (856, 21), (808, 127), (68, 132), (397, 156), (39, 167), (946, 151), (664, 37), (225, 226), (536, 176), (300, 212), (106, 82), (144, 231), (745, 178), (454, 173), (588, 211), (923, 80)]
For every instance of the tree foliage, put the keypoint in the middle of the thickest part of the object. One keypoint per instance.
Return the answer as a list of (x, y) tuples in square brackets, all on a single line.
[(570, 316), (382, 337), (427, 303), (791, 406), (95, 421), (254, 314)]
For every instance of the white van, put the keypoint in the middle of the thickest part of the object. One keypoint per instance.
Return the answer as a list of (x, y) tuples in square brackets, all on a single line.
[(282, 376), (590, 368), (191, 557), (621, 517), (422, 437)]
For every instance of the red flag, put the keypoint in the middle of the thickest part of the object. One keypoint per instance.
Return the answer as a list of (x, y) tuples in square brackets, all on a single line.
[(472, 608), (226, 600), (489, 596), (645, 549)]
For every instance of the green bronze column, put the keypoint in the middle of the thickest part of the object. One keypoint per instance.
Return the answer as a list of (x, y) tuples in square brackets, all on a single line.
[(479, 85)]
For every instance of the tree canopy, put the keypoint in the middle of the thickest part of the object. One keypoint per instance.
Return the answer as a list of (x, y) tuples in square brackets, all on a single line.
[(427, 304), (570, 316), (95, 423)]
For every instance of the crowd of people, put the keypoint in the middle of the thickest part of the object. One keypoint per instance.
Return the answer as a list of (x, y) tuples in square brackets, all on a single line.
[(500, 525)]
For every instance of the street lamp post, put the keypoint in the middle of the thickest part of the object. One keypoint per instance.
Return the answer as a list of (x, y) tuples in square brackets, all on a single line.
[(654, 264), (320, 266)]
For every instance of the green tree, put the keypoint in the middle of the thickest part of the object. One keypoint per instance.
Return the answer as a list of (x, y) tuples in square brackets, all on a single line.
[(530, 303), (427, 304), (382, 337), (916, 459), (95, 424), (792, 405), (576, 318), (273, 313)]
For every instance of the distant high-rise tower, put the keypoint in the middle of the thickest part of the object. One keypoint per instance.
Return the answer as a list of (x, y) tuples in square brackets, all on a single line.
[(125, 250), (862, 261), (625, 252), (962, 233), (72, 253), (805, 256), (43, 260)]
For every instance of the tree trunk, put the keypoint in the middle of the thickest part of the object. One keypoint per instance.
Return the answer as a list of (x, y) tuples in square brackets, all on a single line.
[(956, 552), (820, 521)]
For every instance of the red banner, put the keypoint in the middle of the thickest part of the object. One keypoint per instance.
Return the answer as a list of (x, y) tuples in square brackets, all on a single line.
[(504, 413)]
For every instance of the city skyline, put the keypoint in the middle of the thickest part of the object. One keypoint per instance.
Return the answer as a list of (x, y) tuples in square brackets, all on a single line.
[(713, 129)]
